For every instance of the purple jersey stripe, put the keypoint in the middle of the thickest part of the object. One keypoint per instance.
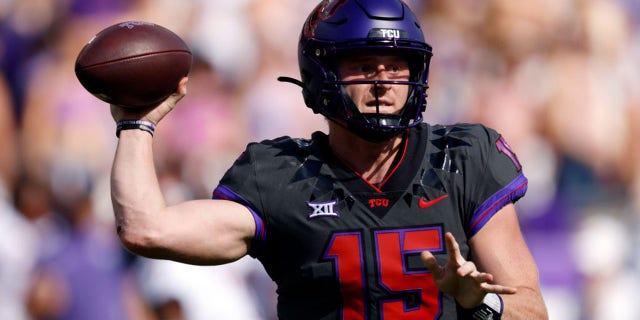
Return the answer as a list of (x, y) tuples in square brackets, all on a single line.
[(512, 192), (504, 147), (224, 193)]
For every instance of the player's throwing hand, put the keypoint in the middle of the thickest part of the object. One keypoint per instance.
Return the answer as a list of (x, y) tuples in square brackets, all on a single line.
[(154, 113)]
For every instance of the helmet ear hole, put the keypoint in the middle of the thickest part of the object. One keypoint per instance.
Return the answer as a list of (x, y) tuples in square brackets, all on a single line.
[(308, 100), (309, 96)]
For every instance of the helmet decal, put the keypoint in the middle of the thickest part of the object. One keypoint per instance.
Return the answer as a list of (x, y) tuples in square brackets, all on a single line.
[(309, 28), (325, 10)]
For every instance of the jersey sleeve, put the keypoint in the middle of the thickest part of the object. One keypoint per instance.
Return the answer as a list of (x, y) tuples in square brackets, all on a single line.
[(496, 179), (239, 184)]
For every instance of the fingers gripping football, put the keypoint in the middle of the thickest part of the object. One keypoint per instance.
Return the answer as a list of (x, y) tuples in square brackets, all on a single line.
[(153, 113)]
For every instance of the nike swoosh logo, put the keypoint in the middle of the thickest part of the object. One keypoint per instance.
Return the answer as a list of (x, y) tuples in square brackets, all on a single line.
[(423, 203)]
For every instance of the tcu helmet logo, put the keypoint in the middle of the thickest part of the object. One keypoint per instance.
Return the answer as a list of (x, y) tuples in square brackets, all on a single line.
[(390, 33), (325, 10)]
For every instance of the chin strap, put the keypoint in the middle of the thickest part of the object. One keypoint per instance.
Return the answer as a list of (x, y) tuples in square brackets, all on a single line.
[(374, 136), (291, 80)]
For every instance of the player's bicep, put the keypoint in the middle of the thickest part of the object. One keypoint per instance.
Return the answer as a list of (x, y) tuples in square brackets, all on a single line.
[(207, 231), (499, 248)]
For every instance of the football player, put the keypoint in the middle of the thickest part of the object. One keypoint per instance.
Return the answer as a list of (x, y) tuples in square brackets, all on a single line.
[(383, 217)]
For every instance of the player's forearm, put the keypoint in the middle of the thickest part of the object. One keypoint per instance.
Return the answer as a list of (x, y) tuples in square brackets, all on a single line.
[(526, 304), (135, 191)]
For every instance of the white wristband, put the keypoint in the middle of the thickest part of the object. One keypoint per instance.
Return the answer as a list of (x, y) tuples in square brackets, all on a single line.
[(491, 308), (494, 302)]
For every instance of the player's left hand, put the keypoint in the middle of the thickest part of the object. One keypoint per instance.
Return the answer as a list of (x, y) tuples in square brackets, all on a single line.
[(460, 278)]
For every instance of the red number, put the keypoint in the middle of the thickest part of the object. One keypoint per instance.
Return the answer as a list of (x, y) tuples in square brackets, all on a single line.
[(392, 247), (346, 250)]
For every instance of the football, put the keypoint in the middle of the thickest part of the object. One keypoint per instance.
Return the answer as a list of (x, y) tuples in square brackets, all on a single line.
[(134, 64)]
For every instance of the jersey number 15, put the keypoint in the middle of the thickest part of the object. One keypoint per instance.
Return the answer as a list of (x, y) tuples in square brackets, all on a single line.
[(411, 292)]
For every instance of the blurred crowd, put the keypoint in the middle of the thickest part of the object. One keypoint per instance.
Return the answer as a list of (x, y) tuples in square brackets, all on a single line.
[(559, 79)]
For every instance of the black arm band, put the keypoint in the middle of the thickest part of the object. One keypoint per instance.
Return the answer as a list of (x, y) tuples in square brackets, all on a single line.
[(491, 308), (143, 125)]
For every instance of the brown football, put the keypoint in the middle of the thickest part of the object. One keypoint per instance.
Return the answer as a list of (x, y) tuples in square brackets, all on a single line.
[(134, 64)]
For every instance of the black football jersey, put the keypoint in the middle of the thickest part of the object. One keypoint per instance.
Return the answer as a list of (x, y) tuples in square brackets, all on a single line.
[(340, 247)]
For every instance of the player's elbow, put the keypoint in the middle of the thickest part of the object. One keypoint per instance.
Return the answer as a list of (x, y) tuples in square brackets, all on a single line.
[(135, 241), (138, 237)]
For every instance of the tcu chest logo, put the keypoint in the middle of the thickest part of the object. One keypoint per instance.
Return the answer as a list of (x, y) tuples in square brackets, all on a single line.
[(378, 202), (323, 209)]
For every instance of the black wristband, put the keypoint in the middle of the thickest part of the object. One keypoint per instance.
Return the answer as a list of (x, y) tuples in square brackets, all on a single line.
[(143, 125), (491, 308)]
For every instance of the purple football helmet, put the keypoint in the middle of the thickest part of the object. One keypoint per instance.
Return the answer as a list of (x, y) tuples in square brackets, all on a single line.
[(336, 27)]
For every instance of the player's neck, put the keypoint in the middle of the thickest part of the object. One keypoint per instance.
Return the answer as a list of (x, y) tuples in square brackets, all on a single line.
[(373, 161)]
